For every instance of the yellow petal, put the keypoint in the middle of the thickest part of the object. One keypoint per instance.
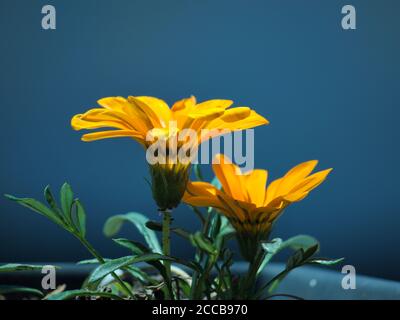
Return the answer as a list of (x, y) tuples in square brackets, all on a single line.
[(295, 197), (200, 188), (207, 114), (115, 103), (187, 103), (271, 191), (310, 182), (251, 121), (230, 176), (112, 134), (294, 175), (98, 118), (150, 114), (255, 184), (236, 114), (214, 103), (203, 194), (159, 106)]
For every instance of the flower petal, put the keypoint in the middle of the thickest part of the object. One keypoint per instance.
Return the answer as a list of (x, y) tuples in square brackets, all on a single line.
[(230, 177), (310, 182), (112, 134), (150, 114), (294, 175), (214, 103), (255, 184), (159, 106)]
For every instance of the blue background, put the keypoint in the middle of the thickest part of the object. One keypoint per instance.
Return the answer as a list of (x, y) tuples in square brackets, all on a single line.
[(330, 94)]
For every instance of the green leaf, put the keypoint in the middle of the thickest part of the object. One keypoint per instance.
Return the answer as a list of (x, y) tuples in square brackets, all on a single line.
[(38, 207), (12, 267), (295, 260), (301, 257), (109, 267), (113, 265), (50, 199), (92, 261), (67, 198), (325, 262), (80, 217), (199, 241), (306, 247), (5, 289), (136, 247), (114, 224), (140, 275), (275, 246), (67, 295), (155, 226), (139, 249), (271, 248), (225, 231), (300, 242)]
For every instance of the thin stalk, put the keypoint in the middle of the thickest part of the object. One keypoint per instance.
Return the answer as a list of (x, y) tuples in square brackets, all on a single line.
[(251, 277), (93, 251), (194, 293), (166, 239)]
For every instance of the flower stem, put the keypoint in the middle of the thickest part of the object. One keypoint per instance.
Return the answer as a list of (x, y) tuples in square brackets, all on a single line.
[(166, 238), (251, 277), (95, 254)]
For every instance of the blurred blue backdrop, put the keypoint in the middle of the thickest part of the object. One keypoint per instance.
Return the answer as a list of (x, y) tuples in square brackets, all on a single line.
[(330, 94)]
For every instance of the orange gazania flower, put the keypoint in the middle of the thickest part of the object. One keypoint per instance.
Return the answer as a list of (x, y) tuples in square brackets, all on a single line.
[(136, 117), (247, 203)]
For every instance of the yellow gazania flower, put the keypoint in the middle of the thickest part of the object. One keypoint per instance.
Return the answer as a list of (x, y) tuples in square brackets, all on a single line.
[(135, 117), (247, 203)]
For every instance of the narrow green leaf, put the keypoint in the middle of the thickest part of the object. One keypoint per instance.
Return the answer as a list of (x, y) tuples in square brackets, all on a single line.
[(136, 247), (92, 261), (295, 260), (111, 266), (6, 289), (300, 242), (181, 232), (67, 198), (325, 262), (114, 224), (155, 226), (80, 217), (38, 207), (139, 249), (199, 241), (12, 267), (67, 295), (50, 198), (309, 252), (275, 246)]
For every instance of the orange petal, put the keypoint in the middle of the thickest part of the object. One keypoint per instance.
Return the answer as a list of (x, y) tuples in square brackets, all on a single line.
[(159, 106), (112, 134), (294, 175), (255, 184), (230, 177)]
